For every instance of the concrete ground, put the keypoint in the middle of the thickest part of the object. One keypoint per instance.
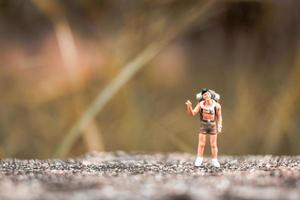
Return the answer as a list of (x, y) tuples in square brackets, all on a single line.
[(133, 176)]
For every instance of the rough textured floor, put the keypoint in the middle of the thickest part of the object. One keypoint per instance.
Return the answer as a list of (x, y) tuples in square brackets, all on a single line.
[(143, 176)]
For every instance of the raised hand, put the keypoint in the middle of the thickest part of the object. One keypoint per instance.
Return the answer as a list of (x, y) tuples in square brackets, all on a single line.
[(188, 103)]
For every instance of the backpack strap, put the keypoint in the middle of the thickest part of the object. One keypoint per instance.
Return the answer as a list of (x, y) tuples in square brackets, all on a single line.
[(201, 114), (215, 108)]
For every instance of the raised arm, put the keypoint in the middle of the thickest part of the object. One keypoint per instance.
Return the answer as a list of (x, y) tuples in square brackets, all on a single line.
[(219, 118), (190, 109)]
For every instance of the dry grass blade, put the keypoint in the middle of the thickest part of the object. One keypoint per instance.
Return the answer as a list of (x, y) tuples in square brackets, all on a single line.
[(128, 71)]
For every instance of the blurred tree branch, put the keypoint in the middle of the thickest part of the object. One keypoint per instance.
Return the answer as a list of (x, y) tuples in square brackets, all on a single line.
[(71, 61), (65, 38), (127, 73)]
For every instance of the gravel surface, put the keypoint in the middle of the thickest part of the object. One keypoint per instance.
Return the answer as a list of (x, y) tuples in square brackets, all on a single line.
[(133, 176)]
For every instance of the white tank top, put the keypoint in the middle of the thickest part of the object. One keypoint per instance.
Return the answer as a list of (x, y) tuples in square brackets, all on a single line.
[(208, 109)]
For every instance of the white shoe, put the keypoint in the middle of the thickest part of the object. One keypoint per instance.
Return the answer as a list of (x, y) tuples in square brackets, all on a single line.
[(215, 162), (198, 161)]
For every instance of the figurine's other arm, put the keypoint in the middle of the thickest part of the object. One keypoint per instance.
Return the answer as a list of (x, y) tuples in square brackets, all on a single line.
[(190, 109), (219, 118)]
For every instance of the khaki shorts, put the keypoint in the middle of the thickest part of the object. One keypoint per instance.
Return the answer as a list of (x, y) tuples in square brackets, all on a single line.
[(209, 128)]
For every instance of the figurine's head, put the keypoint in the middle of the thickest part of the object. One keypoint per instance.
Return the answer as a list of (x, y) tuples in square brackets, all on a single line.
[(206, 94), (213, 95), (203, 90)]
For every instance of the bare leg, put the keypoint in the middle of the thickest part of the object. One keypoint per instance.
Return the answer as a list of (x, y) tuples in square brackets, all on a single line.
[(213, 146), (201, 144)]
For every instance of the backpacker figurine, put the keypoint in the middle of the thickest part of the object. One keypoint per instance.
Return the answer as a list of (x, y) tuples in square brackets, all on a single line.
[(211, 122)]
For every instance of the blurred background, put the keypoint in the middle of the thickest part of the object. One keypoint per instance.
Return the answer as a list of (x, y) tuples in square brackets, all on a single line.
[(58, 58)]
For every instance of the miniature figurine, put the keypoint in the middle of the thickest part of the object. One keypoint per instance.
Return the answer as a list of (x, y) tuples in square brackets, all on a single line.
[(211, 123)]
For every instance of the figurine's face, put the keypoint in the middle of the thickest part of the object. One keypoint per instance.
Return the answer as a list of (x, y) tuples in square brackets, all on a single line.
[(206, 96)]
